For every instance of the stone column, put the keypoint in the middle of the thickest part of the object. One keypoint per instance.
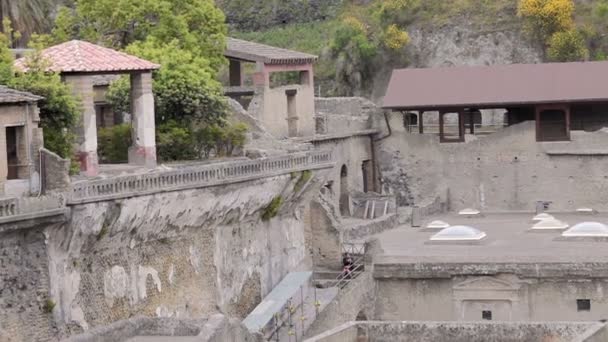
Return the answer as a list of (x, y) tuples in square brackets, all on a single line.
[(143, 150), (86, 132), (3, 160)]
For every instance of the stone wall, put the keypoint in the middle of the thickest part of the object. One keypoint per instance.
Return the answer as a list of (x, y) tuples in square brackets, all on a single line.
[(24, 282), (353, 302), (464, 332), (507, 297), (504, 171), (344, 114), (56, 172), (185, 254)]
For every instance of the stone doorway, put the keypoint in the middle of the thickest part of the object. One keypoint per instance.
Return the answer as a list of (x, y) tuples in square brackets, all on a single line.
[(344, 192)]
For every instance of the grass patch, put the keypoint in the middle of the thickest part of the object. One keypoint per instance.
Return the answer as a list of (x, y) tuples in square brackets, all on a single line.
[(304, 178), (48, 306), (272, 209)]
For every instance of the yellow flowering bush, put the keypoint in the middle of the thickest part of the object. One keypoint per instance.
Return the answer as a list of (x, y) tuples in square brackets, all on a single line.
[(395, 38), (545, 17)]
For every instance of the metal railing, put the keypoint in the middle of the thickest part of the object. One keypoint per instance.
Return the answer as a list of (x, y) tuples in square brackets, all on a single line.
[(196, 176)]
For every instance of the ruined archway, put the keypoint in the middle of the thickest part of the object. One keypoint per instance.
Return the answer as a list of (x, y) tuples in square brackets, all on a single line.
[(344, 196)]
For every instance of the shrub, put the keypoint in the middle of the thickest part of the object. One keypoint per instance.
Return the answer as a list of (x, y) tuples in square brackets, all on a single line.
[(222, 140), (545, 17), (113, 144), (175, 142), (48, 306), (568, 46), (272, 209)]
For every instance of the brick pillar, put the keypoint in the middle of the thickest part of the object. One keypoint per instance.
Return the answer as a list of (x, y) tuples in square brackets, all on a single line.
[(86, 132), (143, 150)]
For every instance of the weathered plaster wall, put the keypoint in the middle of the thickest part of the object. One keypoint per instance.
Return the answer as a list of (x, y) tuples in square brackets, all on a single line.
[(270, 107), (185, 254), (463, 332), (349, 152), (24, 283), (507, 170), (508, 297), (357, 299)]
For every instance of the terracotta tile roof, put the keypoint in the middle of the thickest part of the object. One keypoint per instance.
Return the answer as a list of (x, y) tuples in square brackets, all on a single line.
[(80, 56), (497, 86), (8, 95), (255, 52)]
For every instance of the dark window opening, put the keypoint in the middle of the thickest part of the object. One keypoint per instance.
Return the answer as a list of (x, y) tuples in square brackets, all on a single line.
[(292, 113), (552, 125), (367, 171), (486, 315), (583, 305), (344, 193), (451, 127), (12, 157), (409, 120)]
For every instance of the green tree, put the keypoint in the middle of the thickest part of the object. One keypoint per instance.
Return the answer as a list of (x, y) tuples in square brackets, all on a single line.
[(59, 110), (543, 18), (6, 61), (567, 46), (196, 25), (27, 17)]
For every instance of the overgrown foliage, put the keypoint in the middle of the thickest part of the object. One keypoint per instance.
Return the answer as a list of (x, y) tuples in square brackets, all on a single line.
[(543, 18), (551, 22), (567, 46), (59, 110), (113, 144), (272, 209), (175, 141)]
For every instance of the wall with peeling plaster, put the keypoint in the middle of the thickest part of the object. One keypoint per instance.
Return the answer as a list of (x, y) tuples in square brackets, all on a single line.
[(186, 254)]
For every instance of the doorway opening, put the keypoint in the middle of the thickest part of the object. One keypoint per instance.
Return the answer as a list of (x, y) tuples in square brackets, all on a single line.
[(344, 193)]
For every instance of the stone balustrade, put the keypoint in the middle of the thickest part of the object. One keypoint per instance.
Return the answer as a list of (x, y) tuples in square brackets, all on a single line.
[(196, 177), (9, 207)]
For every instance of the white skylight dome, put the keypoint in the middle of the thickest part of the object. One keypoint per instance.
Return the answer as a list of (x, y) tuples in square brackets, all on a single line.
[(459, 233), (438, 225), (542, 216), (469, 212), (550, 223), (589, 229)]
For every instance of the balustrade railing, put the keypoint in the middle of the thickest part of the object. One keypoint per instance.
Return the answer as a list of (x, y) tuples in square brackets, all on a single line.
[(196, 176), (9, 207)]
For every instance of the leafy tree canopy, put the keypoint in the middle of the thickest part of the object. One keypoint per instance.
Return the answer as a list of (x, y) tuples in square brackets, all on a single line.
[(197, 25)]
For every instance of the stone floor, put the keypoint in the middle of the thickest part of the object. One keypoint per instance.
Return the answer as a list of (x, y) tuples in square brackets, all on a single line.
[(509, 238)]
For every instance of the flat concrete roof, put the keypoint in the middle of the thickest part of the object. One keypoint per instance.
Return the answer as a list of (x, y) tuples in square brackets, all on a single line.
[(509, 245)]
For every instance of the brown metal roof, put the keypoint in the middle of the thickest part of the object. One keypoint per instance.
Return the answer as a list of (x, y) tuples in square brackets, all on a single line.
[(497, 86), (255, 52), (79, 56), (10, 96)]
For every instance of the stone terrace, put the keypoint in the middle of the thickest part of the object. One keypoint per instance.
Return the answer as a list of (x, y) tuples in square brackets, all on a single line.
[(509, 246)]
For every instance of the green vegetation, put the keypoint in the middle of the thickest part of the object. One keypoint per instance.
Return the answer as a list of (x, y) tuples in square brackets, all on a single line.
[(567, 46), (59, 110), (48, 306), (187, 39), (304, 178), (272, 209), (113, 142)]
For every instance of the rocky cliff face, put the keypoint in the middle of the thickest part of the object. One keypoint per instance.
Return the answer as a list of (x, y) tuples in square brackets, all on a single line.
[(458, 44), (253, 15)]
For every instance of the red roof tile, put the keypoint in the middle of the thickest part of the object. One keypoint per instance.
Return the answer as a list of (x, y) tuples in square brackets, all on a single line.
[(80, 56)]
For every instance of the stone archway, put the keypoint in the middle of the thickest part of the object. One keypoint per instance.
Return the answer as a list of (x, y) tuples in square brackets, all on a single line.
[(344, 192)]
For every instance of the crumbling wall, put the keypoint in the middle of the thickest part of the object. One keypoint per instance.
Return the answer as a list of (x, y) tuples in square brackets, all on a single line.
[(344, 114), (24, 282), (507, 170), (357, 298), (185, 254)]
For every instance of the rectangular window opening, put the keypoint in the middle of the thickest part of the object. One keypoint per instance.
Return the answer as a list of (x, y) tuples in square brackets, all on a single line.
[(583, 305), (486, 315)]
